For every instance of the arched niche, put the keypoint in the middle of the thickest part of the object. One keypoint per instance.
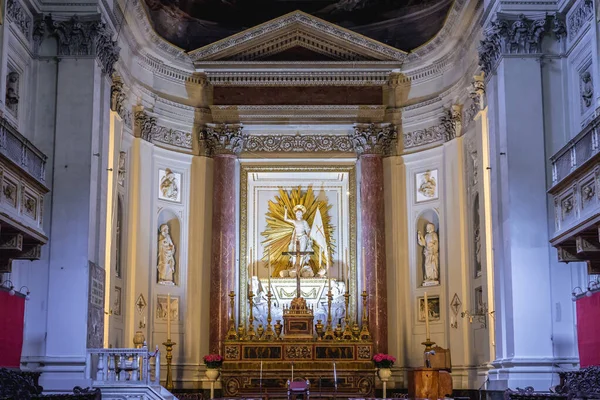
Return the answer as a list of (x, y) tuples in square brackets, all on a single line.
[(169, 218), (476, 236), (428, 216)]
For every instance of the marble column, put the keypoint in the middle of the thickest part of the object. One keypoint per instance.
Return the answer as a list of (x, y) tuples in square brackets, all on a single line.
[(371, 142), (224, 143)]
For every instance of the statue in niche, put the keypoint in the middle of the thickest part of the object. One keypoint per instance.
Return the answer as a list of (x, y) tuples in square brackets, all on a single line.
[(587, 88), (260, 302), (166, 257), (477, 251), (300, 241), (431, 247), (427, 185), (168, 185), (12, 91)]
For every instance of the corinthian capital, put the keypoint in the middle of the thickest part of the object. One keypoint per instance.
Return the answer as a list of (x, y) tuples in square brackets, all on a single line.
[(374, 138), (145, 125), (222, 139)]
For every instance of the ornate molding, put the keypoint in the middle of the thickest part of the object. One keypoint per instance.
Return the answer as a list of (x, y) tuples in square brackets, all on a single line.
[(118, 99), (298, 143), (520, 36), (80, 37), (421, 137), (145, 125), (172, 137), (452, 122), (17, 14), (312, 24), (222, 139), (579, 17), (374, 138), (299, 78)]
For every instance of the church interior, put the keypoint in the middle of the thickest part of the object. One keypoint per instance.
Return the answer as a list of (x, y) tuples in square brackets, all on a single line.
[(299, 198)]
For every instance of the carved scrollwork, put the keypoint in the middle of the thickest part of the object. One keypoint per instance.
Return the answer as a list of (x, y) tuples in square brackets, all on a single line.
[(145, 125), (80, 37), (232, 352), (298, 352), (222, 139), (298, 143), (172, 137), (16, 13), (520, 36), (374, 138), (118, 100), (579, 17)]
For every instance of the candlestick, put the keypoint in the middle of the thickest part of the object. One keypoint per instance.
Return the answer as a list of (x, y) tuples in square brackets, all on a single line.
[(347, 269), (168, 317), (334, 375), (292, 371), (328, 273), (261, 371), (269, 278), (250, 265), (426, 318), (364, 267)]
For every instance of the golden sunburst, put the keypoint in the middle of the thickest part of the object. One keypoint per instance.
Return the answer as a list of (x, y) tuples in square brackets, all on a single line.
[(278, 233)]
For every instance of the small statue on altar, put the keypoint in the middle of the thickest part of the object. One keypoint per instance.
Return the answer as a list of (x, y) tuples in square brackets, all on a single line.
[(431, 247), (166, 257)]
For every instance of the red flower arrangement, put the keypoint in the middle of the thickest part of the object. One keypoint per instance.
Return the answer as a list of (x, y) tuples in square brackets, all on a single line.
[(213, 361), (383, 360)]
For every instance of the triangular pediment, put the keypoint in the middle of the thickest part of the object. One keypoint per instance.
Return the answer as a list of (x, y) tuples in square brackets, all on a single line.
[(297, 34)]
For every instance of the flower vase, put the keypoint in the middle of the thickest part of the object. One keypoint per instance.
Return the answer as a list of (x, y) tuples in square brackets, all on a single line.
[(212, 373), (384, 375)]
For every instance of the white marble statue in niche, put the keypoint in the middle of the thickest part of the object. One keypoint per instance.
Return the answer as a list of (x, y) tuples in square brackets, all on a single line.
[(300, 241), (169, 185), (431, 253), (166, 257)]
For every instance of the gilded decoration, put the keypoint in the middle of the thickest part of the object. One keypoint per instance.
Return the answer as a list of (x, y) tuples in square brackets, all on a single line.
[(245, 172), (298, 143), (278, 236)]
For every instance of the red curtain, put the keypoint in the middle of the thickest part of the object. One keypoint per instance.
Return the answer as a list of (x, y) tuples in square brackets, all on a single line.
[(588, 326), (12, 312)]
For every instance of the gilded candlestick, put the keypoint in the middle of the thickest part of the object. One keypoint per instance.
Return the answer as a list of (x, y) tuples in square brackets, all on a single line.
[(231, 333), (250, 334), (347, 335), (169, 345), (329, 335), (364, 332), (269, 333)]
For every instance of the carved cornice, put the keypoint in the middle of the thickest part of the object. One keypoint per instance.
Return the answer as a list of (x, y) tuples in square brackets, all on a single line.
[(298, 143), (374, 138), (520, 36), (80, 37), (300, 19), (579, 17), (450, 126), (145, 125), (17, 14), (299, 78), (222, 139)]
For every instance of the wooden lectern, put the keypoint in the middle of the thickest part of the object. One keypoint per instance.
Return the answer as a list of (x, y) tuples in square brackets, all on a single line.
[(429, 383)]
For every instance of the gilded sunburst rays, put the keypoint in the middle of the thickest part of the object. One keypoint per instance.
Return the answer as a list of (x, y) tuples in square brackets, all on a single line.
[(278, 233)]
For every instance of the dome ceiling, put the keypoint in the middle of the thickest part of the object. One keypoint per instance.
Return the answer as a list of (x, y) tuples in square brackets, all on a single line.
[(403, 24)]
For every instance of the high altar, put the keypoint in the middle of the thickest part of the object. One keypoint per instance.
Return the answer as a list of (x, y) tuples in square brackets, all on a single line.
[(301, 310)]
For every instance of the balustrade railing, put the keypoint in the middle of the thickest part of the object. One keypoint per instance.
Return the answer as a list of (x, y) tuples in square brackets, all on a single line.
[(123, 366), (22, 152), (576, 152)]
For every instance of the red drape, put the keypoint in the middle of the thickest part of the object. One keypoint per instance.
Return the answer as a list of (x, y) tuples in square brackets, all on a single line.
[(588, 328), (12, 312)]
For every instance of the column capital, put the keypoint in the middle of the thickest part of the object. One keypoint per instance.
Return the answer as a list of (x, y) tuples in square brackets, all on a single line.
[(516, 34), (451, 122), (79, 36), (145, 125), (118, 98), (218, 139), (374, 138)]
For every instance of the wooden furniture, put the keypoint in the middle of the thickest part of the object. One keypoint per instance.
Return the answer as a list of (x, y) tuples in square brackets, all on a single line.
[(23, 385), (429, 383), (298, 387)]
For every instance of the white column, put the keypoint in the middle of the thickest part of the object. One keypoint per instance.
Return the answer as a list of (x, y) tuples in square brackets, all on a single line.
[(520, 226)]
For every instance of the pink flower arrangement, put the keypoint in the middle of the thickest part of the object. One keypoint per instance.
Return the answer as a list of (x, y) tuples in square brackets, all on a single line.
[(383, 360), (213, 361)]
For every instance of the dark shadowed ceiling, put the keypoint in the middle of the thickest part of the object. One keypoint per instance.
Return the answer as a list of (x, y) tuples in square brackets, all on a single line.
[(404, 24)]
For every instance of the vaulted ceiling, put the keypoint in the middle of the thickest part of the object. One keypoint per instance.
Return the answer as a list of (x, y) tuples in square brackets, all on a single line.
[(403, 24)]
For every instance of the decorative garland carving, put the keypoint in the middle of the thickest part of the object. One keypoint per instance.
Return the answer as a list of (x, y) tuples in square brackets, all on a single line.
[(579, 17), (521, 36), (298, 143), (172, 137), (424, 136), (145, 124), (374, 138), (17, 14), (222, 139), (80, 37)]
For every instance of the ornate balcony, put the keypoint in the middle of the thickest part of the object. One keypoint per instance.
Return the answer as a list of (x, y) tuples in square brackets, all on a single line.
[(22, 179)]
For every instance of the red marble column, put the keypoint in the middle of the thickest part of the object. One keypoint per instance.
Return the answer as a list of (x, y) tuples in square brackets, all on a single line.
[(373, 241), (223, 243)]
